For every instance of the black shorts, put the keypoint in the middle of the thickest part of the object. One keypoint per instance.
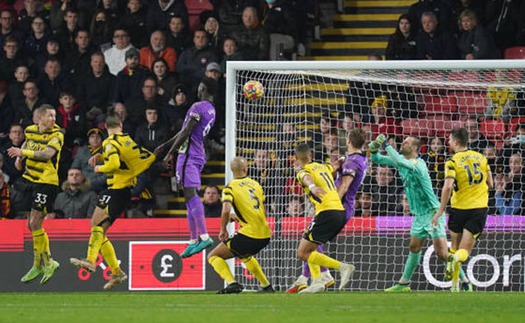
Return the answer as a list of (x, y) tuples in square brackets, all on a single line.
[(243, 246), (472, 220), (325, 226), (43, 197), (114, 202)]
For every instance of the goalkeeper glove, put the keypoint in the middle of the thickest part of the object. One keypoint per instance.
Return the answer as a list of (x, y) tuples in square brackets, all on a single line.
[(374, 147)]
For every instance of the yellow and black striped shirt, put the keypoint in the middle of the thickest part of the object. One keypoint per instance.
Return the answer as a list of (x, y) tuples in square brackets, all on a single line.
[(43, 172), (247, 198), (469, 170), (322, 177), (124, 160)]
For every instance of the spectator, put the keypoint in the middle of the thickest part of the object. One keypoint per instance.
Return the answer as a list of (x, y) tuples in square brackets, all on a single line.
[(10, 59), (7, 112), (477, 141), (513, 145), (7, 27), (252, 39), (433, 43), (157, 49), (84, 153), (509, 188), (120, 110), (265, 172), (166, 81), (478, 7), (402, 43), (134, 20), (441, 10), (382, 122), (130, 80), (230, 53), (96, 89), (148, 97), (364, 205), (67, 31), (216, 35), (101, 31), (160, 11), (77, 62), (281, 26), (116, 55), (71, 117), (474, 42), (57, 13), (504, 17), (52, 51), (32, 100), (112, 11), (177, 107), (193, 61), (16, 87), (402, 208), (384, 192), (435, 158), (230, 11), (31, 10), (178, 36), (53, 81), (295, 207), (5, 198), (36, 40), (75, 201), (212, 202), (15, 139)]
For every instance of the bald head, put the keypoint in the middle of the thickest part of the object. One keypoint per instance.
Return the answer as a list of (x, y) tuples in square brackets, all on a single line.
[(239, 167)]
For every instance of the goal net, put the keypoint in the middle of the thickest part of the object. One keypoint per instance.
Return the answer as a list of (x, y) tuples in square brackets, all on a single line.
[(319, 102)]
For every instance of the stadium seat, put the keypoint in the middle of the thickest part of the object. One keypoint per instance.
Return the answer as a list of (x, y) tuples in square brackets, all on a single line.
[(442, 128), (417, 127), (509, 76), (493, 129), (435, 105), (471, 103), (432, 76), (195, 7), (465, 77), (513, 124), (514, 53)]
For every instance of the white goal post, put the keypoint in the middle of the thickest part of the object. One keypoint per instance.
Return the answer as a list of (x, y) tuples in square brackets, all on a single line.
[(314, 101)]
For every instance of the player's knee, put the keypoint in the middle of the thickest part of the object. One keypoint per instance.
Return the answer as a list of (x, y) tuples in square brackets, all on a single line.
[(414, 248), (302, 255)]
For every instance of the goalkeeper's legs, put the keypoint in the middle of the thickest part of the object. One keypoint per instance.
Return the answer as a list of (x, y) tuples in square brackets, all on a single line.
[(411, 264)]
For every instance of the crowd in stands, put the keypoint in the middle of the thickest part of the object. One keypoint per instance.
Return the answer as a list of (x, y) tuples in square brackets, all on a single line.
[(136, 58), (457, 29), (140, 60)]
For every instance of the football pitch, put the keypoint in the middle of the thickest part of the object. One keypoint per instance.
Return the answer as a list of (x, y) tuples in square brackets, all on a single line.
[(149, 307)]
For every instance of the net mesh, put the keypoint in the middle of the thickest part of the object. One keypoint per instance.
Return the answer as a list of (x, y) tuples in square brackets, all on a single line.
[(321, 106)]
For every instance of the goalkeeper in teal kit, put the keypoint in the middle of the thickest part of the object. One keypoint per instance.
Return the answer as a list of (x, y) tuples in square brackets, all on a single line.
[(422, 203)]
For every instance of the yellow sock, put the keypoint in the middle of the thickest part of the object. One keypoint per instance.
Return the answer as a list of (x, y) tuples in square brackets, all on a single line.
[(108, 252), (315, 270), (253, 266), (38, 247), (319, 259), (221, 268), (95, 241), (46, 252), (462, 255)]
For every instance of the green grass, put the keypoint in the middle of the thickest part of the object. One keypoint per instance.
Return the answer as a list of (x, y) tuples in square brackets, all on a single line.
[(149, 307)]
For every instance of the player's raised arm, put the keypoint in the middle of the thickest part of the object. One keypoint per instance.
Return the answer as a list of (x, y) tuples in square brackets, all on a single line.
[(182, 136)]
